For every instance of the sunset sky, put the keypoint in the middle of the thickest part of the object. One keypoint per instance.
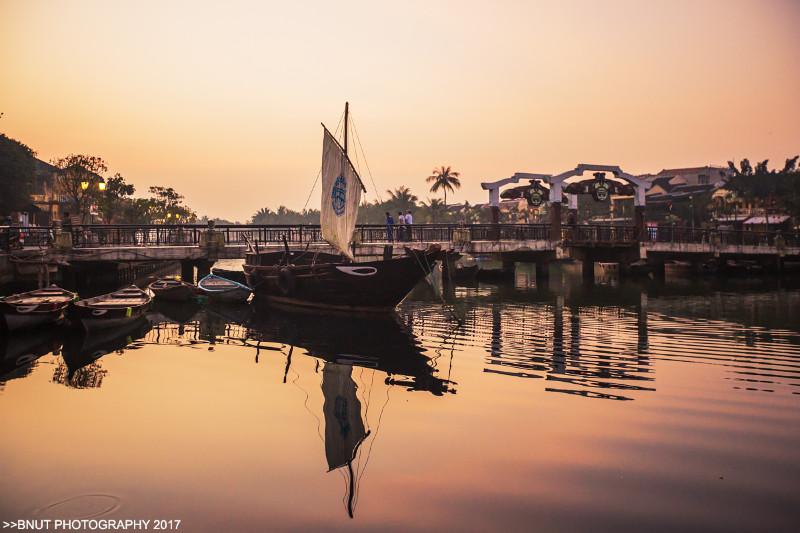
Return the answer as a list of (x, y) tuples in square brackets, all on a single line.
[(223, 100)]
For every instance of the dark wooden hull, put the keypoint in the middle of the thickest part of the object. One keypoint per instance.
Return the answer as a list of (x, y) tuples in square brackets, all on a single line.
[(107, 312), (368, 286), (175, 293), (33, 309)]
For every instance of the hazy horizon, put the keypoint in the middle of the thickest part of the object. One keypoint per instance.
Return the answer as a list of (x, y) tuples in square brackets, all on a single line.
[(224, 103)]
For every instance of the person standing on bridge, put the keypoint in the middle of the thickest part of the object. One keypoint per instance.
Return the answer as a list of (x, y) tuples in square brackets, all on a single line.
[(389, 227), (401, 230), (409, 221)]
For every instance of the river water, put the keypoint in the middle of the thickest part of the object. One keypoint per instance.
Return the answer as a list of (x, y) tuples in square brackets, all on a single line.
[(624, 406)]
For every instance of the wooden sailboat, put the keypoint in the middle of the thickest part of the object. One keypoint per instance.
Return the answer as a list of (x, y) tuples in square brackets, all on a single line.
[(35, 308), (330, 281)]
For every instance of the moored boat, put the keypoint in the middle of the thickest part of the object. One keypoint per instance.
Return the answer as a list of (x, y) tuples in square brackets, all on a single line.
[(172, 290), (223, 290), (113, 309), (331, 281), (233, 275), (35, 308)]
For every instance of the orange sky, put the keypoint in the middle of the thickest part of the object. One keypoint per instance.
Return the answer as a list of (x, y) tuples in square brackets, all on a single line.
[(223, 100)]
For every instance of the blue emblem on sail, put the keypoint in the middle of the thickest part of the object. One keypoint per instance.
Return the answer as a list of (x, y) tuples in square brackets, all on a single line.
[(339, 195)]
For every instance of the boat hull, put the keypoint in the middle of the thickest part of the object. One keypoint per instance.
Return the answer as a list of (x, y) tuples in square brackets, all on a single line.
[(369, 286), (230, 297), (18, 321), (180, 293), (93, 318)]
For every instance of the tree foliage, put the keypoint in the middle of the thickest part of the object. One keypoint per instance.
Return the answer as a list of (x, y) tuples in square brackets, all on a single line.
[(17, 169), (761, 187), (113, 201), (77, 177), (445, 179)]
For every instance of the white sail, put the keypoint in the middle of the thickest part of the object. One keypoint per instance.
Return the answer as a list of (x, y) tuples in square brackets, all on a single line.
[(341, 194)]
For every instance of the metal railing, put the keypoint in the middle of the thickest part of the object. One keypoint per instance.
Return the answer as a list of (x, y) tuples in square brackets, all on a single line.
[(15, 237), (598, 234), (115, 235), (92, 236), (681, 234)]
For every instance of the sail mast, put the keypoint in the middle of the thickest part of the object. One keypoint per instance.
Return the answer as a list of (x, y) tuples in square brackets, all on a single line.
[(346, 116)]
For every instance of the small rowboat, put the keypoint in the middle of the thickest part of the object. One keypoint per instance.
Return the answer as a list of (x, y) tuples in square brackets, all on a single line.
[(113, 309), (35, 308), (233, 275), (172, 290), (223, 290)]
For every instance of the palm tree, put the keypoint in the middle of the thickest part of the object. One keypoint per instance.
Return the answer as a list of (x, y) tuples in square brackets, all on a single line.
[(401, 198), (434, 205), (444, 178)]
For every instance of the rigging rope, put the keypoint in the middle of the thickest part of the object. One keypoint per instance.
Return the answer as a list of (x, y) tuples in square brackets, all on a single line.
[(364, 155), (319, 173)]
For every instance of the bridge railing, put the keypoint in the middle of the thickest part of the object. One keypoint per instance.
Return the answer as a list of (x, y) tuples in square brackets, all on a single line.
[(598, 234), (94, 236), (682, 234), (114, 235), (14, 237)]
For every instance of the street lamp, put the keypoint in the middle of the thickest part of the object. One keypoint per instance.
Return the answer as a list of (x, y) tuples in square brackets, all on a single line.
[(84, 185), (101, 186)]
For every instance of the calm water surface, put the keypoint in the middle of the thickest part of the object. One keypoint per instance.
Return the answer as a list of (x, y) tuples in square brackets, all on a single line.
[(628, 407)]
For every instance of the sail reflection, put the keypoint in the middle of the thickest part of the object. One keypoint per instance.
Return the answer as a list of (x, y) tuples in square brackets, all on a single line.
[(344, 426)]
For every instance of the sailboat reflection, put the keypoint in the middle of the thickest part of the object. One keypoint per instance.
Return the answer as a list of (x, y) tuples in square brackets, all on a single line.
[(82, 350), (373, 342), (344, 427), (354, 351)]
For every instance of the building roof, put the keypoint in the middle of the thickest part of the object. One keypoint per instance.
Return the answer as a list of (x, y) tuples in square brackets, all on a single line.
[(773, 219), (691, 170)]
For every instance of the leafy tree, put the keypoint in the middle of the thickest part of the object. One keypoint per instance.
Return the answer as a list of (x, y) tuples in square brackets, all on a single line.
[(765, 188), (401, 199), (77, 177), (114, 199), (167, 206), (17, 169), (435, 208), (444, 178)]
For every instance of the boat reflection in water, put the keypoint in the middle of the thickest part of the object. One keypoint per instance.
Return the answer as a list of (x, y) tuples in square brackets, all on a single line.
[(348, 345), (378, 342), (82, 350), (19, 352)]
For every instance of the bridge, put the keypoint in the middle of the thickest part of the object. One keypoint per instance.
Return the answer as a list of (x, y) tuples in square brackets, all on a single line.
[(199, 246)]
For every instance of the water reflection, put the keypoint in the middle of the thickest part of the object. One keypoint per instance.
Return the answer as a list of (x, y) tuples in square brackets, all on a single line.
[(703, 380), (82, 351), (19, 352)]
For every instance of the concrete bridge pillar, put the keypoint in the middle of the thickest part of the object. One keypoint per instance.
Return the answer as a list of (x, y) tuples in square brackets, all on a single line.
[(204, 269), (639, 215), (542, 271), (187, 271), (587, 268), (555, 211)]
